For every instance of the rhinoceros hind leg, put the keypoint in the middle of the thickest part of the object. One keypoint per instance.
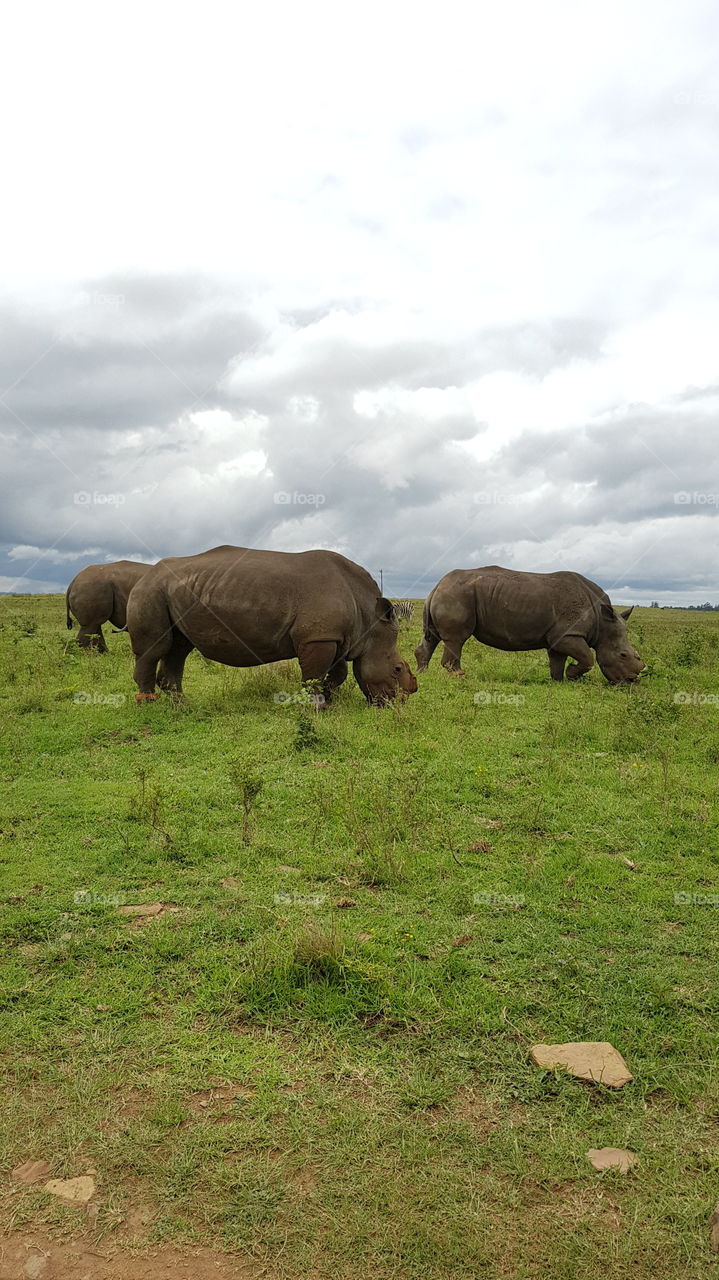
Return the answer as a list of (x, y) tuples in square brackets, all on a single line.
[(424, 651), (452, 655), (91, 637), (172, 664)]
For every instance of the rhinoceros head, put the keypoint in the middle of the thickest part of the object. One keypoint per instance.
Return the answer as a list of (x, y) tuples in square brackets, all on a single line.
[(380, 670), (616, 655)]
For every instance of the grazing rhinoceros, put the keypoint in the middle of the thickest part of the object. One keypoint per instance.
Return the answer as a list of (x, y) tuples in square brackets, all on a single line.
[(244, 607), (564, 613), (99, 594)]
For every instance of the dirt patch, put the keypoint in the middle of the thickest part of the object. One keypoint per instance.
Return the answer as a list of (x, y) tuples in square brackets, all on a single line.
[(28, 1256), (484, 1114), (143, 913), (305, 1180), (218, 1102), (570, 1203)]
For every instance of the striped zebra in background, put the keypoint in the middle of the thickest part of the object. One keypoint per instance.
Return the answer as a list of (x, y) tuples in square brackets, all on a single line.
[(403, 609)]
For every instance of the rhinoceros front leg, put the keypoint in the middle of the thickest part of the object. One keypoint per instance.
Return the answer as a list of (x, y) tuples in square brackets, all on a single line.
[(336, 676), (316, 658), (571, 647)]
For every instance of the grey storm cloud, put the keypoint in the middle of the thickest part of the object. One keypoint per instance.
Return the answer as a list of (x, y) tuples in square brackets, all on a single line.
[(159, 415), (129, 352)]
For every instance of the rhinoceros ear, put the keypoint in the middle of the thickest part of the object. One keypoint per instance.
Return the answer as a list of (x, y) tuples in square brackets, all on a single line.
[(626, 613), (385, 610)]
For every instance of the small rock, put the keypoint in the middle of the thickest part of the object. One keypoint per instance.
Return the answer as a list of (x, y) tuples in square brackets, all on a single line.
[(31, 1171), (594, 1060), (628, 863), (34, 1266), (72, 1191), (343, 903), (611, 1158), (364, 937)]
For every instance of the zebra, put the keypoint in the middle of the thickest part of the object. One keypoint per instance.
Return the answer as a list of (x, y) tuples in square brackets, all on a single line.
[(403, 609)]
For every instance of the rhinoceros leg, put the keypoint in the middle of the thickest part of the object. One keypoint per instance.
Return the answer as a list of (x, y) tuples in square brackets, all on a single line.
[(336, 676), (557, 663), (452, 654), (315, 658), (172, 664), (425, 649), (570, 647), (91, 637)]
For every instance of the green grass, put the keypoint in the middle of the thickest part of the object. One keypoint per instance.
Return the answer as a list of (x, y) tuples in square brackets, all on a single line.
[(336, 1089)]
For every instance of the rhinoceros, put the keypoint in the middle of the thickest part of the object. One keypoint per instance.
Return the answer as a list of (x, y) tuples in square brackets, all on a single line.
[(99, 594), (564, 613), (244, 607)]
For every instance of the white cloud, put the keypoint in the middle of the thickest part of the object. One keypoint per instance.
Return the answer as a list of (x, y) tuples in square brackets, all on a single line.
[(51, 554), (468, 250)]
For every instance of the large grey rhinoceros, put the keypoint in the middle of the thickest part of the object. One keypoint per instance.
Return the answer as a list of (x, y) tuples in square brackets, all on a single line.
[(564, 613), (244, 607), (99, 594)]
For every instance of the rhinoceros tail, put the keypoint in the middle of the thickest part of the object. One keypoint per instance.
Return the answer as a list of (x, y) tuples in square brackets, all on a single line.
[(67, 609)]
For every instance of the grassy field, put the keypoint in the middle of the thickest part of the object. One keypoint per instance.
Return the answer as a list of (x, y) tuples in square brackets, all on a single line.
[(318, 1054)]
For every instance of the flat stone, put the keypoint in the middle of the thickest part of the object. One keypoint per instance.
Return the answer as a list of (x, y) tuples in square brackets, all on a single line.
[(31, 1171), (71, 1190), (611, 1158), (594, 1060), (34, 1266)]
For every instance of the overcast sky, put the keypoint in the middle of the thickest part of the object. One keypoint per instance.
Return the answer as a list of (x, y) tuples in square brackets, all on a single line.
[(433, 286)]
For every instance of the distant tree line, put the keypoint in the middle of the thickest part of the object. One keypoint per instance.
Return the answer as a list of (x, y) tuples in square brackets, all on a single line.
[(706, 608)]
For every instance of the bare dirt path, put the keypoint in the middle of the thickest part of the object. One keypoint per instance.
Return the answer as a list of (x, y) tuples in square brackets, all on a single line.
[(30, 1256)]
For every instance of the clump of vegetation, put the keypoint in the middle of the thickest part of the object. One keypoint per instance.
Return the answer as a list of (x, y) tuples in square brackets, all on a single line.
[(688, 650), (21, 627), (320, 950), (147, 803), (250, 783), (306, 736)]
